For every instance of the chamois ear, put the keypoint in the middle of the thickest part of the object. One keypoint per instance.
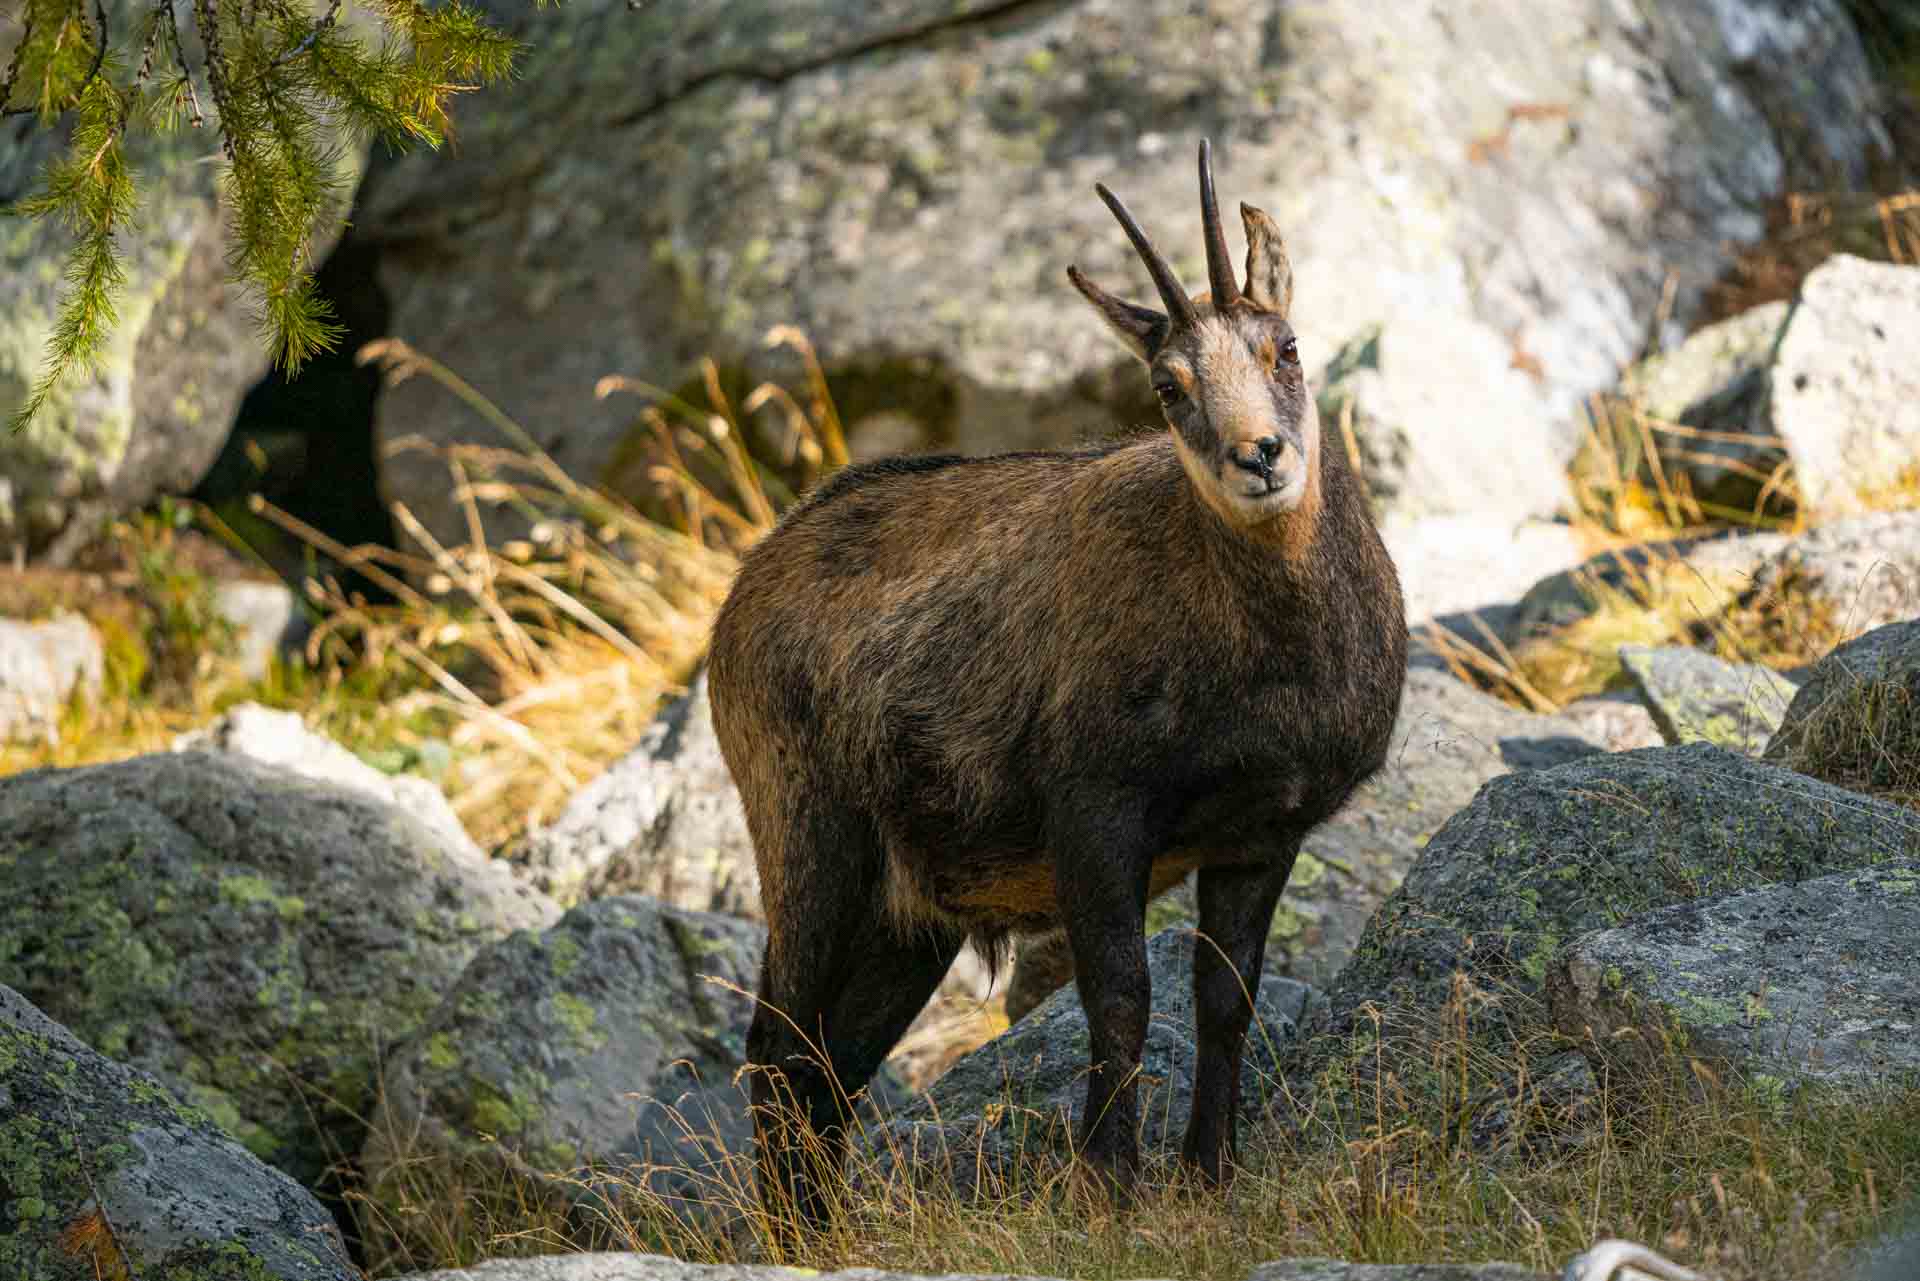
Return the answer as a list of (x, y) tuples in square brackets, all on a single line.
[(1269, 273), (1142, 329)]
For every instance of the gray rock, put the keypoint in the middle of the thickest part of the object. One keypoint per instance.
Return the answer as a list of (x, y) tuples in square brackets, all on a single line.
[(1016, 1096), (907, 181), (1450, 739), (1470, 562), (81, 1135), (1845, 392), (282, 740), (264, 617), (1618, 721), (1856, 721), (1816, 981), (153, 416), (1335, 1270), (610, 1040), (1717, 381), (1543, 856), (1695, 697), (42, 665), (664, 821), (253, 939), (1863, 571)]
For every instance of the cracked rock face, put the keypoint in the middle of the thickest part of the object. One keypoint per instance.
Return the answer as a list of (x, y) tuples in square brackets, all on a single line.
[(1495, 195)]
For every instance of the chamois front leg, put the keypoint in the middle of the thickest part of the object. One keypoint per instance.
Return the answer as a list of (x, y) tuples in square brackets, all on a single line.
[(1236, 911), (1103, 860)]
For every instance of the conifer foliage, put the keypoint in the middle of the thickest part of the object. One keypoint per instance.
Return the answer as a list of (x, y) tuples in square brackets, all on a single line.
[(285, 84)]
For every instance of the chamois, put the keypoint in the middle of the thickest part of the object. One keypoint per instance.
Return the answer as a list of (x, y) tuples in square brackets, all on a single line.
[(970, 697)]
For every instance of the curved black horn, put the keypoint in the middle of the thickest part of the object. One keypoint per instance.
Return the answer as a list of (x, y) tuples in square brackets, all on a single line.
[(1172, 296), (1220, 282)]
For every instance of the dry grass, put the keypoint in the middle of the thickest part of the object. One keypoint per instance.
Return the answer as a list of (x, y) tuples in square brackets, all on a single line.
[(1742, 1182)]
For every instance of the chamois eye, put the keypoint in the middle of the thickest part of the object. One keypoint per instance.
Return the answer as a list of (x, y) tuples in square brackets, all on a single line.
[(1169, 393), (1289, 353)]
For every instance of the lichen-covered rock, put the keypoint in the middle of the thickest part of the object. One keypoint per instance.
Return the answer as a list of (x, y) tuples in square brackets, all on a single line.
[(1695, 697), (1013, 1097), (1856, 721), (1499, 193), (1617, 720), (1817, 981), (42, 665), (103, 1173), (282, 740), (585, 1044), (183, 350), (1861, 572), (1845, 391), (252, 938), (1450, 739), (664, 821), (1543, 856)]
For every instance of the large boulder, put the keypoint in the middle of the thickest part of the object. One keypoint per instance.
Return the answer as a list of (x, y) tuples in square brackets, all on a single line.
[(1696, 697), (185, 346), (1497, 195), (609, 1039), (1450, 739), (1856, 721), (1018, 1096), (253, 939), (1845, 393), (97, 1159), (1817, 981), (1543, 856)]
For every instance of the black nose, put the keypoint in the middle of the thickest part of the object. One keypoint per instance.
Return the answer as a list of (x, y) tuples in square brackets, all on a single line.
[(1260, 463)]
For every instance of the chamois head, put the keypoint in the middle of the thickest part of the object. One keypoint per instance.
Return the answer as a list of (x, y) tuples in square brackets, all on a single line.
[(1224, 365)]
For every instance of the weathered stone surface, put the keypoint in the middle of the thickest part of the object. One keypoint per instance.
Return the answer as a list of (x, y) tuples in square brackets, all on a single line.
[(609, 1042), (1863, 571), (664, 821), (1543, 856), (42, 665), (1450, 739), (1695, 697), (1011, 1098), (183, 351), (1617, 720), (1458, 564), (81, 1135), (1856, 721), (907, 181), (252, 938), (1845, 393), (1817, 981), (281, 740), (1717, 381)]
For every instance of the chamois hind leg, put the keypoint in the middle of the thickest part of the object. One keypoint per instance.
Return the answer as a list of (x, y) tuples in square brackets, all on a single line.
[(1236, 911), (1103, 860), (836, 991)]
